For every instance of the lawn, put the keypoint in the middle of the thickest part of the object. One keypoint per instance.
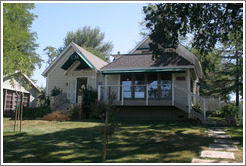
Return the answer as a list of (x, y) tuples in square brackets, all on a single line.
[(81, 142)]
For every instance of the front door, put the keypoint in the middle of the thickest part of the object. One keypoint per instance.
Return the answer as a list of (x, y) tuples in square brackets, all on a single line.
[(81, 82)]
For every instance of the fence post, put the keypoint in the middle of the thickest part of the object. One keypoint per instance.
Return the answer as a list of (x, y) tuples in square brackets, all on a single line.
[(204, 109), (147, 95), (122, 95), (99, 93)]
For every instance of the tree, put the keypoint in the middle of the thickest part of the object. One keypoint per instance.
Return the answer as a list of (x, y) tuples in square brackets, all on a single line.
[(232, 61), (19, 47), (91, 40), (208, 22), (51, 52)]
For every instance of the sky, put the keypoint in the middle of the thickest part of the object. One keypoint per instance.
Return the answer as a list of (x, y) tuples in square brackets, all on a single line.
[(119, 22)]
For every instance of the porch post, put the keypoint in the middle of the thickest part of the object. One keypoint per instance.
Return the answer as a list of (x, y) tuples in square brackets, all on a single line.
[(106, 88), (118, 95), (99, 92), (188, 89), (122, 95), (147, 95)]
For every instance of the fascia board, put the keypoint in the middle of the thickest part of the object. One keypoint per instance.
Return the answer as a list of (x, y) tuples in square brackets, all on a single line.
[(151, 68)]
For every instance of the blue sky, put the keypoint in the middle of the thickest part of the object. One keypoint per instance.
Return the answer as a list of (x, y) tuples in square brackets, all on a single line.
[(119, 22)]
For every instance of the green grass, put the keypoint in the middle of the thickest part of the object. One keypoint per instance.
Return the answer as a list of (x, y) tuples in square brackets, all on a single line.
[(81, 142)]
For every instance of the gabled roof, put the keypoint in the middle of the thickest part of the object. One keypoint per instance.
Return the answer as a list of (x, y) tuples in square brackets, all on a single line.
[(170, 59), (95, 62), (183, 55), (26, 77), (139, 44)]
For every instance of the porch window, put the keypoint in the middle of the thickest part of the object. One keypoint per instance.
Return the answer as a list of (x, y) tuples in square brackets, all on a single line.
[(166, 86), (127, 82), (139, 88), (153, 86)]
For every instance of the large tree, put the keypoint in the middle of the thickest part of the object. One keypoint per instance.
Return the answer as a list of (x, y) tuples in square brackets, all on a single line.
[(91, 40), (210, 24), (19, 42)]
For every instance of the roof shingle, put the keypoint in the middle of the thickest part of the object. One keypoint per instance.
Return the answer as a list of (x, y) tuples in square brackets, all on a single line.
[(145, 61)]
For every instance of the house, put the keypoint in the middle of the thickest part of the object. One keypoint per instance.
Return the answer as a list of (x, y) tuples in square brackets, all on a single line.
[(145, 88), (16, 84)]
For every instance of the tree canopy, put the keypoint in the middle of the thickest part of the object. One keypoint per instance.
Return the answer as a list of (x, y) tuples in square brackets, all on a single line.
[(19, 47), (208, 22), (91, 40)]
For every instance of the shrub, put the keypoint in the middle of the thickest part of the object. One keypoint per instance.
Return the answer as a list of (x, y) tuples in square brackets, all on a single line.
[(75, 112), (197, 108), (229, 112), (56, 91), (58, 116), (89, 98), (33, 113)]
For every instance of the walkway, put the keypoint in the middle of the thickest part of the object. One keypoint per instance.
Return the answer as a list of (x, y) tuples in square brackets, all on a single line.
[(221, 148)]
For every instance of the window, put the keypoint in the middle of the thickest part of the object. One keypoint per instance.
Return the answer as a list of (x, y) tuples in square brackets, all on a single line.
[(139, 88), (153, 86), (166, 86), (127, 82)]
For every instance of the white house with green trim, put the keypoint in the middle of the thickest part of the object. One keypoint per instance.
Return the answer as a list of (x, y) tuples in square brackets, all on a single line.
[(145, 88)]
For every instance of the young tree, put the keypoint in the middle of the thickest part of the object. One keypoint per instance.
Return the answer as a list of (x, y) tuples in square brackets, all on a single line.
[(19, 47), (51, 52)]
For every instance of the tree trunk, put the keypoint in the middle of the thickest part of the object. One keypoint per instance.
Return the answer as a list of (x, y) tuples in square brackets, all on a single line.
[(105, 139), (21, 110), (237, 80), (16, 110)]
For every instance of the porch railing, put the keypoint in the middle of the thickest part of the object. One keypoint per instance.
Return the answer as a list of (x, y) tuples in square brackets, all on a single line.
[(137, 94)]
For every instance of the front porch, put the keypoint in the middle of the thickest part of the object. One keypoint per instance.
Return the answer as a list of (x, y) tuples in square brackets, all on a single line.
[(138, 89)]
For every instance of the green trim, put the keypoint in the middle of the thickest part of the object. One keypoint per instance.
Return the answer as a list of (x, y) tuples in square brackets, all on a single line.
[(142, 71), (76, 56), (86, 60)]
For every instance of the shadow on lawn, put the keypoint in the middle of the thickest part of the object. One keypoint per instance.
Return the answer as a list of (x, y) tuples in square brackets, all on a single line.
[(137, 144)]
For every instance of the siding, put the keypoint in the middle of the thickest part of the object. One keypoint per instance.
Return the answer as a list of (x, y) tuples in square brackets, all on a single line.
[(57, 75), (180, 96)]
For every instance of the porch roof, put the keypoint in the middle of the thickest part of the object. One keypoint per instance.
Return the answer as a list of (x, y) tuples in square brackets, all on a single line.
[(126, 61), (142, 71)]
